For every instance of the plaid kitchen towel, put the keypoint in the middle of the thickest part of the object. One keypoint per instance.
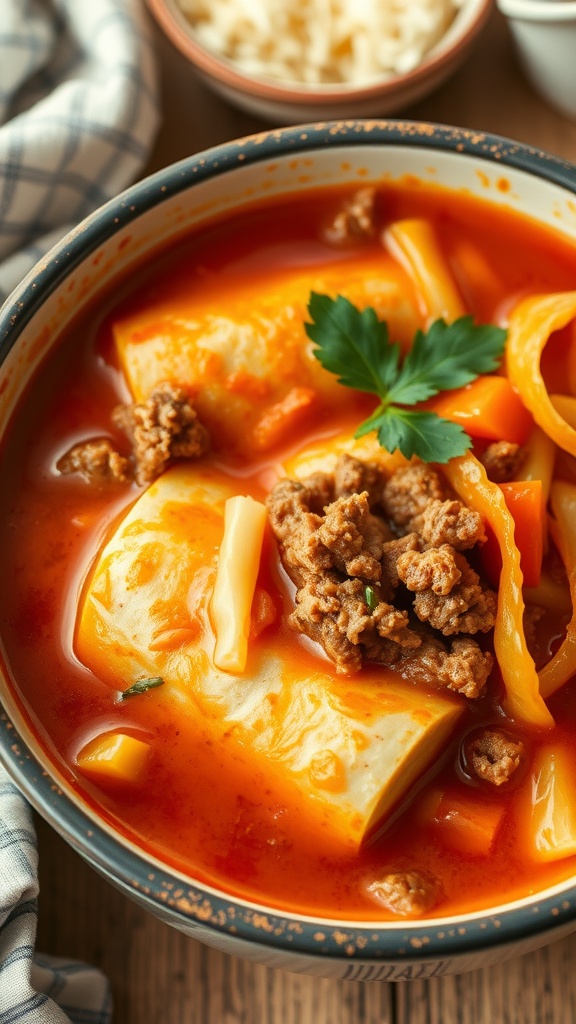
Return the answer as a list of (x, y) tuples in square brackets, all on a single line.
[(36, 989), (78, 115)]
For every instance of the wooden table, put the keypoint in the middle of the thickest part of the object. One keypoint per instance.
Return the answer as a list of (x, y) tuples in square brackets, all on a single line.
[(159, 976)]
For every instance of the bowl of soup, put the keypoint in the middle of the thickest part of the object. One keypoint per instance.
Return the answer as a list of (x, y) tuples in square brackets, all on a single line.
[(288, 546)]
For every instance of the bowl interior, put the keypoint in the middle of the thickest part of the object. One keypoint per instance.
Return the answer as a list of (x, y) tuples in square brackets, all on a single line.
[(114, 242)]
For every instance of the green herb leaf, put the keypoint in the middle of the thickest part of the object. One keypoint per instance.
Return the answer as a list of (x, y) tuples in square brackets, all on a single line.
[(355, 346), (141, 686), (352, 344), (430, 437), (371, 598), (447, 356)]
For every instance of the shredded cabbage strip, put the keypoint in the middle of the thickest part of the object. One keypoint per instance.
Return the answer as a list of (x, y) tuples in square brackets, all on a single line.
[(531, 324), (523, 699), (562, 665)]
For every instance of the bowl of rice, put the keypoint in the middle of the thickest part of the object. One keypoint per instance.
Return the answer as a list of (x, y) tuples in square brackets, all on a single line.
[(300, 60)]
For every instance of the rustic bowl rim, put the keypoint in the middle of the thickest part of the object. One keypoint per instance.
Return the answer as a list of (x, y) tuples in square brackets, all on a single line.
[(126, 866)]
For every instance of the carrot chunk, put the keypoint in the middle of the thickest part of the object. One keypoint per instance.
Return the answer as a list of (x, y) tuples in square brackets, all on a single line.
[(280, 419), (489, 407), (525, 503), (467, 824)]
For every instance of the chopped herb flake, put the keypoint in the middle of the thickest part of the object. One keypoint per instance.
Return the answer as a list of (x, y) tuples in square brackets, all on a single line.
[(142, 686)]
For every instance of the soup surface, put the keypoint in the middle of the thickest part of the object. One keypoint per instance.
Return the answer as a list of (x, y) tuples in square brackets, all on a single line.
[(218, 788)]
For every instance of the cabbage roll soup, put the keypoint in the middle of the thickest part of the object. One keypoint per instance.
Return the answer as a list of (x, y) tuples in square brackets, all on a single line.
[(289, 554)]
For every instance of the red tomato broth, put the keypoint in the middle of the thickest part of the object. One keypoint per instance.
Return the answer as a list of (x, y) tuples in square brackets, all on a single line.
[(200, 809)]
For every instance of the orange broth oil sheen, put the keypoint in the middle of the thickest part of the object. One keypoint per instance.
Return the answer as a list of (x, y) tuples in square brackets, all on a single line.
[(203, 809)]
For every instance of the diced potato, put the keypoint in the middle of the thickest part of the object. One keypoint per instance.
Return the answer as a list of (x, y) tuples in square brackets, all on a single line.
[(249, 365), (115, 757), (347, 749), (553, 820)]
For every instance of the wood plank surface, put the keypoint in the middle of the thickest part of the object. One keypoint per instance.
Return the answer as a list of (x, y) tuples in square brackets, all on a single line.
[(159, 976)]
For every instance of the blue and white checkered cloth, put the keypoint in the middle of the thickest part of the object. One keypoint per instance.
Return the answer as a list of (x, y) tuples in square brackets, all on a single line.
[(78, 115), (36, 989)]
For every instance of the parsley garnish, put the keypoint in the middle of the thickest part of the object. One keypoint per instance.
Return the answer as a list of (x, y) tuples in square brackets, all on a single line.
[(355, 345), (141, 686)]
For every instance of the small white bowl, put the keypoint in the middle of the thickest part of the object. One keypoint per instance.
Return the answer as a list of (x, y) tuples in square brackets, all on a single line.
[(293, 102), (544, 33)]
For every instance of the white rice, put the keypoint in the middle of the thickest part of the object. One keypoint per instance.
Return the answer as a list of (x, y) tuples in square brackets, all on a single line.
[(321, 41)]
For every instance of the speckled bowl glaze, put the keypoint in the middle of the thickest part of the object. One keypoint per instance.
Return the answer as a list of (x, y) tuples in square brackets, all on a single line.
[(291, 102), (109, 243)]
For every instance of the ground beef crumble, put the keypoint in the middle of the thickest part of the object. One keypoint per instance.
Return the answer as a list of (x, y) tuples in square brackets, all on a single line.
[(352, 476), (502, 461), (449, 522), (407, 493), (467, 607), (295, 528), (354, 536), (392, 551), (380, 573), (97, 462), (162, 428), (461, 667), (494, 756), (434, 569), (406, 893), (355, 220)]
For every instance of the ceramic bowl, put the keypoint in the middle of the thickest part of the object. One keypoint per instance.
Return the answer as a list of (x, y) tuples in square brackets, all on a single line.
[(292, 103), (111, 243), (544, 34)]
